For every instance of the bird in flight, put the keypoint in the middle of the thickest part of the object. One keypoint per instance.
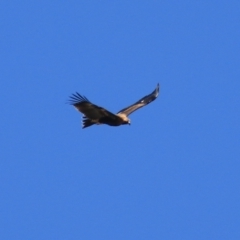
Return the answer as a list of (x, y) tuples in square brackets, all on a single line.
[(94, 114)]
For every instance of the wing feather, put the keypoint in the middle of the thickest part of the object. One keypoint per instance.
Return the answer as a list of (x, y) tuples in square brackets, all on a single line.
[(90, 110), (141, 103)]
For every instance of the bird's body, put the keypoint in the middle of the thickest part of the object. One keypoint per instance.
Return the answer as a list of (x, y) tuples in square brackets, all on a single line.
[(94, 114)]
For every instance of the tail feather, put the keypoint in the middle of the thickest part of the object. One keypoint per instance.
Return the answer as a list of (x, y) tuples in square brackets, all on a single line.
[(87, 123)]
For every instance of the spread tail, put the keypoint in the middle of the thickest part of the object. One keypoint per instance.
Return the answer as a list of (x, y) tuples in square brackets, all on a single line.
[(87, 122)]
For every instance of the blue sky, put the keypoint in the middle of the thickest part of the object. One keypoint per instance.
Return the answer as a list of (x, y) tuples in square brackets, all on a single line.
[(172, 174)]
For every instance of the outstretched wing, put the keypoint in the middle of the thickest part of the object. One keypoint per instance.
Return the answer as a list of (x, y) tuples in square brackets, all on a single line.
[(90, 110), (141, 103)]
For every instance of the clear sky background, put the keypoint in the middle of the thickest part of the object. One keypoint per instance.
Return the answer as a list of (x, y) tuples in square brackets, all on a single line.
[(174, 173)]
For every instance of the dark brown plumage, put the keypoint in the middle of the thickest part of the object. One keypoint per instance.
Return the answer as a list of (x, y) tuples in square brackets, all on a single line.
[(94, 114)]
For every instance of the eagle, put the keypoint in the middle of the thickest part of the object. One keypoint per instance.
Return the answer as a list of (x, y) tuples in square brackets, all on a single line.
[(93, 114)]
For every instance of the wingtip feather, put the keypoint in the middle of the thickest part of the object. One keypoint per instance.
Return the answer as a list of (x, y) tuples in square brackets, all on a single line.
[(77, 98)]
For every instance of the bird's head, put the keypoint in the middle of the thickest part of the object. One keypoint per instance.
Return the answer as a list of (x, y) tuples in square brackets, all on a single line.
[(127, 121)]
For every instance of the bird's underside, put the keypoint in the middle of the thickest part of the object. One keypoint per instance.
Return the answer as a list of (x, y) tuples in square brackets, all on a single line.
[(93, 114)]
